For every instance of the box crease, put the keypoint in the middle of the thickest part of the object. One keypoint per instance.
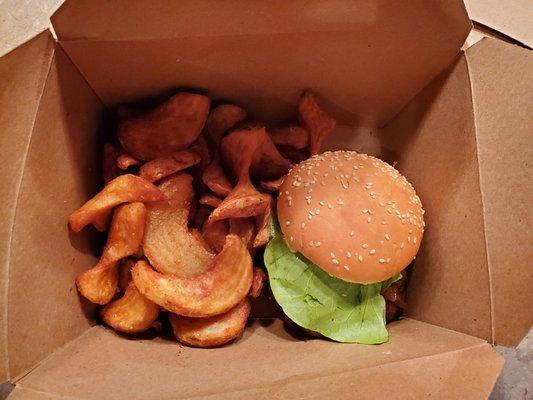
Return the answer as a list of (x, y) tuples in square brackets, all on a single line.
[(481, 195)]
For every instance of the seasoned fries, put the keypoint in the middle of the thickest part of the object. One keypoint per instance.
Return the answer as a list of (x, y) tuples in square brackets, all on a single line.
[(212, 331), (99, 284), (257, 283), (171, 127), (161, 167), (315, 120), (185, 215), (131, 313), (213, 292), (123, 189), (168, 244), (222, 119), (293, 136)]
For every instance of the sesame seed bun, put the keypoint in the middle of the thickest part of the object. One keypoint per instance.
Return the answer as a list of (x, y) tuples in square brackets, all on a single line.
[(353, 215)]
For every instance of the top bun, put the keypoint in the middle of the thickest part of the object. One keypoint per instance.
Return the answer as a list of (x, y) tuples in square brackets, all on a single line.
[(353, 215)]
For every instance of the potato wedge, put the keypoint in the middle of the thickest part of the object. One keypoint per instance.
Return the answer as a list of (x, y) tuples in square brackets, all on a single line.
[(125, 160), (293, 136), (263, 225), (170, 127), (315, 120), (215, 178), (213, 292), (123, 189), (268, 163), (131, 313), (167, 243), (126, 233), (210, 200), (238, 149), (161, 167), (221, 119), (214, 233), (258, 281), (212, 331), (99, 284), (124, 273), (243, 228)]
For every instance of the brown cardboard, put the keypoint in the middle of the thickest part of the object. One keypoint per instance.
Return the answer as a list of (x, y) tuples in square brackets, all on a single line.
[(22, 76), (39, 305), (420, 359), (380, 60), (263, 58), (512, 18), (502, 88)]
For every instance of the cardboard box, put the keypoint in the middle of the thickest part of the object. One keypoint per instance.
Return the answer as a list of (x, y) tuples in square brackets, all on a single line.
[(457, 123)]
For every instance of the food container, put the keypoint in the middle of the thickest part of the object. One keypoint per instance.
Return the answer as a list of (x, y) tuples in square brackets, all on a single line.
[(457, 123)]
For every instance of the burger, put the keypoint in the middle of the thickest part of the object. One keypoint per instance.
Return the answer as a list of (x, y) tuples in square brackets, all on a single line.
[(348, 225)]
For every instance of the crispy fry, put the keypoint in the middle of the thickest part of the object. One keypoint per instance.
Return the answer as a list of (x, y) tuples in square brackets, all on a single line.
[(123, 189), (263, 225), (221, 119), (258, 281), (161, 167), (168, 244), (109, 163), (272, 186), (99, 284), (196, 233), (212, 331), (214, 233), (215, 178), (170, 127), (213, 292), (296, 137), (124, 161), (243, 228), (210, 200), (126, 233), (132, 313), (268, 163), (238, 149), (317, 122), (124, 273)]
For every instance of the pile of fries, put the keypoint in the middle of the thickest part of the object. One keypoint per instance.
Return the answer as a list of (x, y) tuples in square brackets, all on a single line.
[(187, 202)]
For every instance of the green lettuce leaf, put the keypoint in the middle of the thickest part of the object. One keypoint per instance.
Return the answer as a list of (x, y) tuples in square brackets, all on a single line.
[(339, 310)]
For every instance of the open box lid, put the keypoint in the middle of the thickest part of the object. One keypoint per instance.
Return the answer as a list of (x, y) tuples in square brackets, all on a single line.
[(68, 107)]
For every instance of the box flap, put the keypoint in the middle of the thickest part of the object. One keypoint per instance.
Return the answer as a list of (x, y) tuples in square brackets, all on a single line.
[(502, 91), (368, 57), (22, 75), (55, 172), (267, 362), (510, 18)]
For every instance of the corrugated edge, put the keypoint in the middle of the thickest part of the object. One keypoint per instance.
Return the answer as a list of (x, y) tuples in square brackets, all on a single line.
[(483, 211), (5, 277)]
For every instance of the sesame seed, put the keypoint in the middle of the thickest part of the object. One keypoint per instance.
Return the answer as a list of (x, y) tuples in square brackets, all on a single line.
[(308, 201), (303, 225), (339, 201), (410, 231), (382, 261), (365, 246), (346, 267), (309, 217), (373, 251), (311, 243), (360, 258), (330, 206), (409, 239), (348, 255), (321, 203), (335, 261), (352, 233), (288, 223), (317, 244), (369, 219), (387, 236), (414, 239), (292, 239), (332, 255), (402, 245)]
